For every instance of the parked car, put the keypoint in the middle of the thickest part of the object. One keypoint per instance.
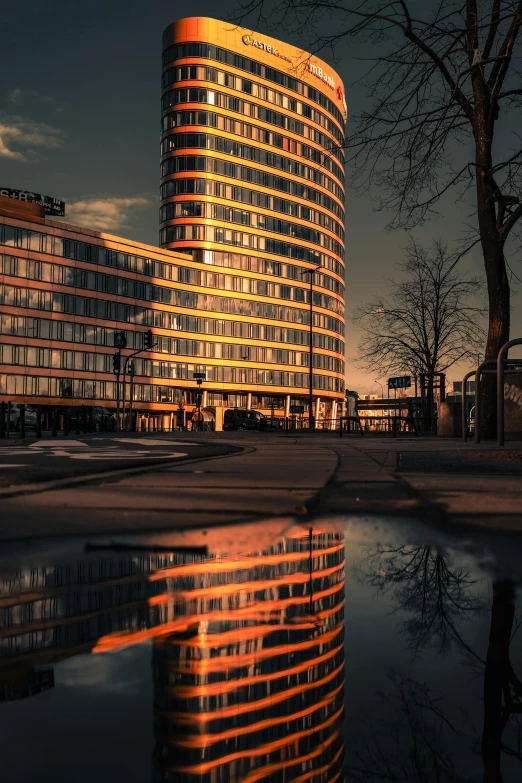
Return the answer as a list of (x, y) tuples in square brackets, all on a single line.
[(30, 417), (95, 417), (239, 419)]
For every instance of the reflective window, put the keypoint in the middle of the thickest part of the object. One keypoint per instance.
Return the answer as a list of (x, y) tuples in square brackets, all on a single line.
[(246, 174), (210, 52), (273, 160), (252, 219)]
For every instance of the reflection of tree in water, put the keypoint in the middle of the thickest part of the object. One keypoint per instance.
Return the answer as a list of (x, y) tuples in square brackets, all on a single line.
[(438, 598), (409, 744)]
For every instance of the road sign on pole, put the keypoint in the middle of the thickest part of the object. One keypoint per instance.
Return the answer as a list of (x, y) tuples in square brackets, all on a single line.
[(400, 382), (120, 339)]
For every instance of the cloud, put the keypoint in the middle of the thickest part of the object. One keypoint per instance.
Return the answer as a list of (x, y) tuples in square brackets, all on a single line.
[(105, 214), (110, 672), (22, 132), (5, 152), (19, 96)]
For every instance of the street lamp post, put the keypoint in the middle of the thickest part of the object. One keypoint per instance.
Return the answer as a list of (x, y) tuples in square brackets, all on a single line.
[(199, 377), (382, 390), (311, 272)]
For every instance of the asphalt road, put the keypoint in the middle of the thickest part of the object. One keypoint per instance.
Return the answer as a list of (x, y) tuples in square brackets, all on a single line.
[(49, 459)]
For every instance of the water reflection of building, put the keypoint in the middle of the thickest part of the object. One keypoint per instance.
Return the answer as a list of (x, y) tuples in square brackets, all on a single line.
[(252, 688), (248, 655)]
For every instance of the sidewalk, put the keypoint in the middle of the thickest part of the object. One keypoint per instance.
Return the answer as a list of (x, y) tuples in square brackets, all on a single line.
[(440, 481), (447, 481)]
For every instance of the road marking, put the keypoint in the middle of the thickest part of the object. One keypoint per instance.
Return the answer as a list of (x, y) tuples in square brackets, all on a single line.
[(153, 441), (14, 465), (14, 451), (117, 454), (48, 444)]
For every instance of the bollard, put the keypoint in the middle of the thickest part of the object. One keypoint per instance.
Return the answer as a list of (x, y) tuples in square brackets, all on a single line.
[(2, 419), (38, 422), (21, 420), (77, 422), (55, 423)]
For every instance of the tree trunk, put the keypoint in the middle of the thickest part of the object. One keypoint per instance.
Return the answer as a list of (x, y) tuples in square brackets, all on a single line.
[(496, 277), (498, 334), (496, 678)]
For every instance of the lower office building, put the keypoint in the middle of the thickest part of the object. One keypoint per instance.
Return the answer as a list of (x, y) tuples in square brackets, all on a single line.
[(65, 290)]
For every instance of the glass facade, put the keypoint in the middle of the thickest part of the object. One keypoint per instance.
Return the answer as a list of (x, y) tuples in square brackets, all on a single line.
[(251, 198), (252, 178)]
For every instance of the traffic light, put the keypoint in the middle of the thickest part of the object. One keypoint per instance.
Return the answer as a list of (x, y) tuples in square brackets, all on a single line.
[(148, 340), (116, 363)]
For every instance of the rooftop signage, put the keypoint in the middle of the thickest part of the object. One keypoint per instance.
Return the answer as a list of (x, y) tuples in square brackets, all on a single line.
[(52, 206), (249, 40), (318, 71)]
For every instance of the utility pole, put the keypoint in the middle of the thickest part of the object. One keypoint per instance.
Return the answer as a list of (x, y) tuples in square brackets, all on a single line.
[(199, 377), (311, 272)]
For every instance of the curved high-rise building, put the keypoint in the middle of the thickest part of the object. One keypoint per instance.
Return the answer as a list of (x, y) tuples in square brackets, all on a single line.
[(252, 187), (252, 687)]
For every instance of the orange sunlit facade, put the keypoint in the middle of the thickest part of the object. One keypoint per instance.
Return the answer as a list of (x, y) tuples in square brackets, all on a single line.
[(247, 654), (252, 186), (251, 198)]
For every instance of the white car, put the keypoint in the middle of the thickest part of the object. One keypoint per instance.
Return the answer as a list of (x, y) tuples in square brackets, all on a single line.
[(30, 417)]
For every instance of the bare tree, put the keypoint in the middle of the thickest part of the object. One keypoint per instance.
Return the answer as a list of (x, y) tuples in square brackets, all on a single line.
[(428, 322), (410, 742), (438, 597), (445, 90)]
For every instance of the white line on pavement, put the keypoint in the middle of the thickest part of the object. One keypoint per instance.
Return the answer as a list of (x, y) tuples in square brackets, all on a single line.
[(153, 441), (49, 444)]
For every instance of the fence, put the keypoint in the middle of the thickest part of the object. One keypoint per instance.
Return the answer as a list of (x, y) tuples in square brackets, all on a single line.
[(392, 425)]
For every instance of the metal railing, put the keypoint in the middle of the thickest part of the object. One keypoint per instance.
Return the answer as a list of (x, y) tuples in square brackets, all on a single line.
[(390, 425), (488, 367), (502, 361)]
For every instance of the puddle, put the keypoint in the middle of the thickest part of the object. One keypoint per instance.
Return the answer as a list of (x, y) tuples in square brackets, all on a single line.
[(354, 651)]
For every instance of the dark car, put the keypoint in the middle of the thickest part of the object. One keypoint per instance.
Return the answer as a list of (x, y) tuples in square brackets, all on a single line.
[(239, 419), (92, 417)]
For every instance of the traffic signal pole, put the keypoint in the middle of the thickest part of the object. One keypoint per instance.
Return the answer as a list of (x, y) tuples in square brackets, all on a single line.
[(117, 374), (147, 347)]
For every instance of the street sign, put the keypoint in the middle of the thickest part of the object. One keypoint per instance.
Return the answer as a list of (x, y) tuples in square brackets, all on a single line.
[(120, 339), (199, 376), (296, 408), (181, 404), (401, 382)]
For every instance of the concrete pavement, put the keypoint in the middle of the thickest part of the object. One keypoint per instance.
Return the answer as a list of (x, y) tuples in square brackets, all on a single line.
[(268, 478), (277, 474)]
